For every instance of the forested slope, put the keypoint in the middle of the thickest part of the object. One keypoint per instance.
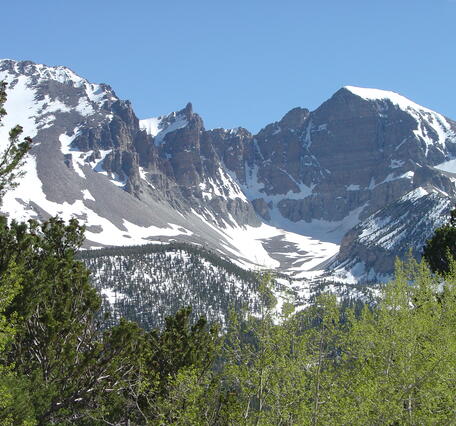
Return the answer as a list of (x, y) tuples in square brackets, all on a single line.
[(147, 283)]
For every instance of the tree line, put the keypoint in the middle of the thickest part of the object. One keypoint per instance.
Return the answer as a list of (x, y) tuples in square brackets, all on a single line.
[(147, 249)]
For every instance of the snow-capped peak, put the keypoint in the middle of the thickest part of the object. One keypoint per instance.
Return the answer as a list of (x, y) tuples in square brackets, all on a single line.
[(61, 74), (395, 98), (434, 120), (33, 75), (58, 73)]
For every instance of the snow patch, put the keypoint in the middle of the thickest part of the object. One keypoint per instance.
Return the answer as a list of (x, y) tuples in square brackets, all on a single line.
[(447, 166), (159, 127), (380, 95), (86, 195), (112, 295), (352, 187), (150, 125)]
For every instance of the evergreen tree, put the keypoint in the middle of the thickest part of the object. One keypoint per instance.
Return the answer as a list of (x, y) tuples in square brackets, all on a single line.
[(12, 157), (175, 370), (13, 404), (55, 307), (441, 247)]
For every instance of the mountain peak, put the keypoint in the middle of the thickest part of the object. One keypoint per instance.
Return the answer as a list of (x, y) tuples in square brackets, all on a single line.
[(188, 108), (159, 127), (44, 73), (373, 95)]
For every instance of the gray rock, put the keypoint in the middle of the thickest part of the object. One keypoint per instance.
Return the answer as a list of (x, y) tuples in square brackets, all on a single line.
[(351, 160)]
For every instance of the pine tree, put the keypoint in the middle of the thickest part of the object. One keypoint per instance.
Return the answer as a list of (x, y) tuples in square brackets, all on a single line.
[(55, 308), (175, 369), (13, 401), (441, 247), (14, 405), (13, 156)]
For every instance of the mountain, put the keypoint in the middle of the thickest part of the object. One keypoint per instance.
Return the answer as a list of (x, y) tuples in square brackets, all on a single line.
[(369, 172)]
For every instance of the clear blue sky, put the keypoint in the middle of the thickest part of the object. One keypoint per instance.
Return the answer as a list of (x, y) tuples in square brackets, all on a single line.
[(242, 62)]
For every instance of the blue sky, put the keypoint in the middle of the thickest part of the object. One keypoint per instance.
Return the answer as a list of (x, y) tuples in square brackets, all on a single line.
[(242, 63)]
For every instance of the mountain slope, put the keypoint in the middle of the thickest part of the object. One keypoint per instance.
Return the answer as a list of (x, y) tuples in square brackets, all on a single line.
[(284, 198), (148, 283)]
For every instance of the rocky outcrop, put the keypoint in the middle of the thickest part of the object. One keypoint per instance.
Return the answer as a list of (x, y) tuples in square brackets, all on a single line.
[(351, 162)]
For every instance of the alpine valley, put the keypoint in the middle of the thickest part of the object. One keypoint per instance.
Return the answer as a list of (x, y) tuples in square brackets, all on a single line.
[(325, 198)]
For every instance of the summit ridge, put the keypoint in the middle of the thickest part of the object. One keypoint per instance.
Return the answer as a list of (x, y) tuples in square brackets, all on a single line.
[(316, 193)]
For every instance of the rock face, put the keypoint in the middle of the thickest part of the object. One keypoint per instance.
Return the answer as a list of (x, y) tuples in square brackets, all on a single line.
[(361, 158), (357, 150), (186, 163)]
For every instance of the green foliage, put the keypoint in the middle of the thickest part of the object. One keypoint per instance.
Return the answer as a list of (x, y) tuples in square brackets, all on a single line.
[(176, 367), (54, 309), (57, 366), (329, 364), (264, 373), (398, 360), (14, 406), (181, 344), (441, 248), (12, 157)]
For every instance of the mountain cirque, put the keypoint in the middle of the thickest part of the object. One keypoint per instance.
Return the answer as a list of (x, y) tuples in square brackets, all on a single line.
[(369, 172)]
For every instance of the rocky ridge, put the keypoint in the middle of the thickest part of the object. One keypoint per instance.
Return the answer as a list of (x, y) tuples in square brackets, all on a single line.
[(285, 198)]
